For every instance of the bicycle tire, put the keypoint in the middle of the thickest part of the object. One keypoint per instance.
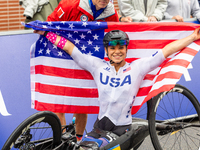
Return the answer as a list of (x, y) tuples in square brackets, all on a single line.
[(38, 124), (163, 110), (143, 112)]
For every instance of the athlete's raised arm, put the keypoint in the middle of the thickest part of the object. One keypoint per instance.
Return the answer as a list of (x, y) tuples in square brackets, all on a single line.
[(57, 40), (181, 43)]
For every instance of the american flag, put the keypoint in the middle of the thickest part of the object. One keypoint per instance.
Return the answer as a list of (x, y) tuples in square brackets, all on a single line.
[(59, 85), (128, 69)]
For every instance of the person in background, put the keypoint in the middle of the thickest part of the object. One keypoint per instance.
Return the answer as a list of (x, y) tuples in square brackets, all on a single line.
[(86, 10), (38, 9), (143, 10), (182, 9), (83, 10)]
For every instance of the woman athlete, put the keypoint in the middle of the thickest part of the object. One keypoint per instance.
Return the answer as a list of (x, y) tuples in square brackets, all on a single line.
[(117, 81)]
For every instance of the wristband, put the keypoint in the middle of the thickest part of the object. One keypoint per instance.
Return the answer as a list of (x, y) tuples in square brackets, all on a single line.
[(62, 42), (51, 37)]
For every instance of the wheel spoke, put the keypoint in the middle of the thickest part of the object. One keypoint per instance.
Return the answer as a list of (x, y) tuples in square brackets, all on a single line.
[(176, 110), (40, 131)]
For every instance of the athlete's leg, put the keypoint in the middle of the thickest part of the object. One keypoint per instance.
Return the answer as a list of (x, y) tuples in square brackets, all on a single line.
[(131, 138), (61, 116), (81, 120)]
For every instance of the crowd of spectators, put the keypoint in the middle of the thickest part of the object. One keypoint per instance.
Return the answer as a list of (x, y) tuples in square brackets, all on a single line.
[(135, 10)]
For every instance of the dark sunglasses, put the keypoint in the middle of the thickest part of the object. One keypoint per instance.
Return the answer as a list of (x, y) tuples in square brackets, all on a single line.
[(115, 42)]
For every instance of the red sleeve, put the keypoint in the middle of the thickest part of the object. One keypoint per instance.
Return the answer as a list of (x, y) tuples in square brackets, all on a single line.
[(53, 16), (64, 11)]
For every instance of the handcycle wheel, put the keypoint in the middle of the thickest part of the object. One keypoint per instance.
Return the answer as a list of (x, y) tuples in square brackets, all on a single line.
[(143, 112), (42, 131), (174, 121)]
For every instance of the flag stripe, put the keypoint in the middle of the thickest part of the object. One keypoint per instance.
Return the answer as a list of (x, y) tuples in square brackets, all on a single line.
[(157, 35), (62, 81), (62, 72), (66, 91), (148, 44), (190, 51), (161, 26), (66, 108), (165, 87), (179, 62), (169, 74), (64, 100), (143, 91)]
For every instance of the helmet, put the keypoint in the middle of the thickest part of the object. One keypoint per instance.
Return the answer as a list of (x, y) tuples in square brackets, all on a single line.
[(117, 36)]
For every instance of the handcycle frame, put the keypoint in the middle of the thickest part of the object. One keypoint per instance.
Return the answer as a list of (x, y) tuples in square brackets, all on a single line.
[(156, 127), (21, 137)]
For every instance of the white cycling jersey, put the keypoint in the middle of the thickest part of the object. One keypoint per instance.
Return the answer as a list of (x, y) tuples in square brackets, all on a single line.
[(117, 90)]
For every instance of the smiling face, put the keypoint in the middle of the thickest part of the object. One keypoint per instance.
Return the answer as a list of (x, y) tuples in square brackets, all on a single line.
[(117, 54), (100, 3)]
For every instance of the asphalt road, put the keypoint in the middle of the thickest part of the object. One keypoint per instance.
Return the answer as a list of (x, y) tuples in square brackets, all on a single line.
[(146, 145)]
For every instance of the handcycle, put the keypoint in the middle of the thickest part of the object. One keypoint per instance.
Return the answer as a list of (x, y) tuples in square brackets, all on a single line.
[(170, 127)]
